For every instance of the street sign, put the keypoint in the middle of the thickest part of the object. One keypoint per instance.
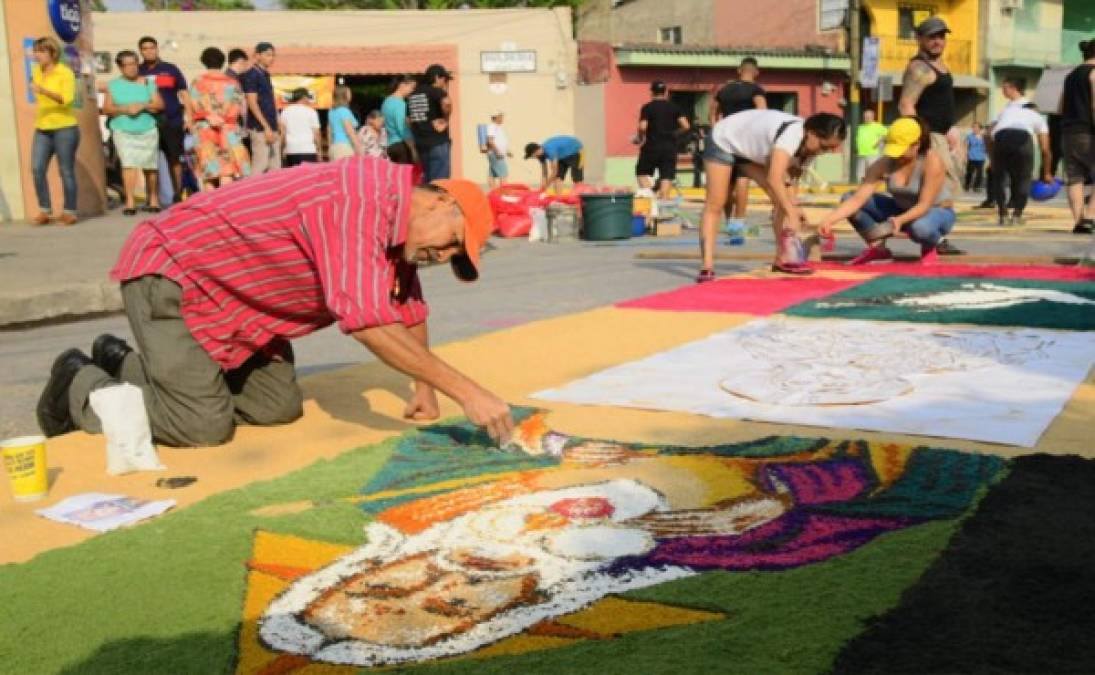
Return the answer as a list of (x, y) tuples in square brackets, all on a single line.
[(833, 14), (885, 88), (868, 73)]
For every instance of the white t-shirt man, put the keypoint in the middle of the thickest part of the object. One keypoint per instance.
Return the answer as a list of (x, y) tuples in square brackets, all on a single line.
[(496, 133), (300, 123), (752, 134), (1016, 115)]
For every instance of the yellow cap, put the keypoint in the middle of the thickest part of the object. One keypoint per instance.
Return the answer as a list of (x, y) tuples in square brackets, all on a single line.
[(902, 135)]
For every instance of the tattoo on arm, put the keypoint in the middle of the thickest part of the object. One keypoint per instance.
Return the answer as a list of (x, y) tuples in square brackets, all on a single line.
[(917, 77)]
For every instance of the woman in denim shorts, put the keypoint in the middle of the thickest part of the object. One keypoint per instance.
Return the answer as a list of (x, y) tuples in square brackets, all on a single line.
[(771, 148)]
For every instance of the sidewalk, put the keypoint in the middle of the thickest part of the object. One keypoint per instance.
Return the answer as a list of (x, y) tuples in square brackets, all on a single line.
[(55, 271)]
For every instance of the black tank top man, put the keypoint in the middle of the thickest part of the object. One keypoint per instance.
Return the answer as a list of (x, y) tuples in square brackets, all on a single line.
[(936, 103), (737, 96), (1076, 100)]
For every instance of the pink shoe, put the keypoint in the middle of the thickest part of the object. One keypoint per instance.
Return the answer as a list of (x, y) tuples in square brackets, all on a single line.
[(929, 255), (872, 254), (792, 268)]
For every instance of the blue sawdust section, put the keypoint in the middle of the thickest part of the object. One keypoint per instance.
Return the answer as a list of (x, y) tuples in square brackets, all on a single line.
[(1011, 593), (876, 301)]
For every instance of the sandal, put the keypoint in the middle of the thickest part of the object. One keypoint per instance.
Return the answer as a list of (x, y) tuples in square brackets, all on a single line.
[(705, 276), (798, 269), (129, 212), (151, 209)]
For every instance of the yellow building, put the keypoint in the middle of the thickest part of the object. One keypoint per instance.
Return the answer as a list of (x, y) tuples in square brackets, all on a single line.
[(894, 23)]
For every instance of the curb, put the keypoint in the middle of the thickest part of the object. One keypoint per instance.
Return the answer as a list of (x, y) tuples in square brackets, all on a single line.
[(59, 301)]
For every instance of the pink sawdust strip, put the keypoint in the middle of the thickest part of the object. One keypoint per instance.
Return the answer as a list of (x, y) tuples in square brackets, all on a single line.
[(1031, 272), (747, 296)]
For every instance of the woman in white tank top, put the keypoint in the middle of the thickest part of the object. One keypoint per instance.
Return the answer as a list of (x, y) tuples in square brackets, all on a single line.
[(917, 201)]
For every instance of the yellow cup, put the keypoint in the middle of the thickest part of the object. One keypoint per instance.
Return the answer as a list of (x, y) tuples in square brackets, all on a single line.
[(25, 463)]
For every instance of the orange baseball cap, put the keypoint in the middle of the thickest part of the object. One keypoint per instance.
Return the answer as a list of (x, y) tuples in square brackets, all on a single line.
[(478, 224)]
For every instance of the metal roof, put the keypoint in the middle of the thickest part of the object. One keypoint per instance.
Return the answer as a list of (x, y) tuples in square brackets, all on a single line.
[(694, 56)]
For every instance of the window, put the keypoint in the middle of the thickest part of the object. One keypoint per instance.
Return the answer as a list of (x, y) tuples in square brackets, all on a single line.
[(909, 17), (782, 100), (670, 35)]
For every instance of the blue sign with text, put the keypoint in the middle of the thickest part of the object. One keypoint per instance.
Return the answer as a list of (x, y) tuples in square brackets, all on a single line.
[(66, 17)]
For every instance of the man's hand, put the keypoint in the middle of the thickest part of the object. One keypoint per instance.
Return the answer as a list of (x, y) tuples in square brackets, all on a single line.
[(1047, 176), (490, 412), (423, 404), (270, 136)]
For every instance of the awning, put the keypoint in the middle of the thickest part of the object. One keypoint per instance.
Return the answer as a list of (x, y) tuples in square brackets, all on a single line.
[(1048, 94), (684, 56), (373, 60)]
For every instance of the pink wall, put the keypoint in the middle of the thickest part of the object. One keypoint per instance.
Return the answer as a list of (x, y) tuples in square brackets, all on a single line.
[(789, 24), (628, 89)]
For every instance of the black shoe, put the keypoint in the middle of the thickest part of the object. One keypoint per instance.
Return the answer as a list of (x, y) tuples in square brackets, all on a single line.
[(108, 352), (54, 414), (945, 247), (986, 205), (1085, 226)]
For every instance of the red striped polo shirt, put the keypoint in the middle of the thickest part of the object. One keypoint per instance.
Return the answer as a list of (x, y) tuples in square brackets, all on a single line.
[(286, 253)]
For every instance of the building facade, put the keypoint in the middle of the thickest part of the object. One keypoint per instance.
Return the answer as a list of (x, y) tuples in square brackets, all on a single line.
[(1021, 42), (696, 46), (1077, 23), (521, 61)]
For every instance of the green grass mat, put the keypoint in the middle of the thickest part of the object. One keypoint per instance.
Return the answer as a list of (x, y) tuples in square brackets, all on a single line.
[(167, 596)]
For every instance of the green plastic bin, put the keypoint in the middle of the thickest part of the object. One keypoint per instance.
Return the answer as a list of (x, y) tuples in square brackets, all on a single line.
[(606, 216)]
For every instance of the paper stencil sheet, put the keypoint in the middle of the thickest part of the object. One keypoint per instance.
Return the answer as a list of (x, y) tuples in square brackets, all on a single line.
[(1000, 385)]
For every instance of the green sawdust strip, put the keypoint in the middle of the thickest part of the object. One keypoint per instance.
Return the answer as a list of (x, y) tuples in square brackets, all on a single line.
[(874, 301), (166, 596), (1013, 591), (793, 621)]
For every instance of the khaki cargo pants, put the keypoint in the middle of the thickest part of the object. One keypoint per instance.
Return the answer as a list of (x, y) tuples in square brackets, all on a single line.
[(190, 400)]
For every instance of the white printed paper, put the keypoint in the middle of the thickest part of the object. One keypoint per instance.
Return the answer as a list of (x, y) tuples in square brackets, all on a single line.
[(104, 512), (1000, 385)]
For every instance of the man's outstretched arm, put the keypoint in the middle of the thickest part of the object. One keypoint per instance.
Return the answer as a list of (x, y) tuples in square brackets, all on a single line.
[(399, 347)]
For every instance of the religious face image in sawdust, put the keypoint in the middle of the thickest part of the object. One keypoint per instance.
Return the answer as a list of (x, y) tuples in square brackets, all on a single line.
[(473, 562)]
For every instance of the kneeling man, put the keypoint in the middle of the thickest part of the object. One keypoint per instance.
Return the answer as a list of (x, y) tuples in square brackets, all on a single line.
[(215, 288)]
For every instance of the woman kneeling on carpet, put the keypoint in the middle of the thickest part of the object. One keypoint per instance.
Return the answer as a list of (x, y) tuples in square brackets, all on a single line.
[(917, 200), (771, 148)]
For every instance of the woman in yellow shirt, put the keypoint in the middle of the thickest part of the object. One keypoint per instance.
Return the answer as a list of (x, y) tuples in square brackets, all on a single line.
[(56, 129)]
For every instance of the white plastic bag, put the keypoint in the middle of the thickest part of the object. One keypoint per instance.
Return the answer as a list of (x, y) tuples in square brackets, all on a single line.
[(125, 424), (539, 229)]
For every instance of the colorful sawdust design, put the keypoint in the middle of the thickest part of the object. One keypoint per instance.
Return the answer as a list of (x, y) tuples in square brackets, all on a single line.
[(456, 566), (991, 302)]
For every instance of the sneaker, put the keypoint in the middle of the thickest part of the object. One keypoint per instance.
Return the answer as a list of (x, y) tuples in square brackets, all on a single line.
[(872, 254), (704, 276), (986, 205), (53, 412), (1018, 219), (1085, 226), (108, 352), (1003, 221), (945, 247), (928, 255)]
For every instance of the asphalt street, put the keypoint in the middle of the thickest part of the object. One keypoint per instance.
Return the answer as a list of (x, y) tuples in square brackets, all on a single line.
[(522, 282)]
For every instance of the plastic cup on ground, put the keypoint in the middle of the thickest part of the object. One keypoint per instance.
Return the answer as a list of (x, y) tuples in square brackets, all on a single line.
[(25, 463)]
